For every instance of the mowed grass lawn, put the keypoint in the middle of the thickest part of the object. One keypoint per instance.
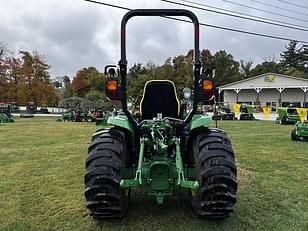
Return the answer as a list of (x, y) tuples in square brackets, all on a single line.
[(42, 168)]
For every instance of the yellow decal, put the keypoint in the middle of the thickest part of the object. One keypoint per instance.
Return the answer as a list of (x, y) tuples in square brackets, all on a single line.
[(302, 113), (266, 112), (269, 78)]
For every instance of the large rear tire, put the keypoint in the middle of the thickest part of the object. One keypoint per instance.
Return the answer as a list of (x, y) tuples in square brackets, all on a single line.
[(216, 174), (104, 169)]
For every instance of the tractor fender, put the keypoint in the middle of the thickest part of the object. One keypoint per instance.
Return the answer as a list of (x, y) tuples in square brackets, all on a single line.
[(200, 121), (121, 121)]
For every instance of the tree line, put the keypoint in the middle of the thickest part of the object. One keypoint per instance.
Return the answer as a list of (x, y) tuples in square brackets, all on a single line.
[(26, 76)]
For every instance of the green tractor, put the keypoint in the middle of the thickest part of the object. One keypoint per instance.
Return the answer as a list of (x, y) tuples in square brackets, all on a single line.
[(5, 113), (287, 115), (78, 116), (222, 112), (160, 151), (246, 112), (102, 120), (15, 107), (300, 132), (66, 116)]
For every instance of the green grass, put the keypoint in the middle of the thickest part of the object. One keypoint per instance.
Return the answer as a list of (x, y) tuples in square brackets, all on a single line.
[(42, 168)]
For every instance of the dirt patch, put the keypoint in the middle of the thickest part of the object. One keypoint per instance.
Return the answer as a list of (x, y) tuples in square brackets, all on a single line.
[(244, 177)]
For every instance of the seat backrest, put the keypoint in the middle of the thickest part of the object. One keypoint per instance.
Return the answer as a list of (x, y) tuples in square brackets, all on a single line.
[(159, 96)]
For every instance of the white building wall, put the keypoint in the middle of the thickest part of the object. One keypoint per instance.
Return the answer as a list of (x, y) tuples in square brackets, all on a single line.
[(266, 95), (261, 81), (229, 96), (293, 95)]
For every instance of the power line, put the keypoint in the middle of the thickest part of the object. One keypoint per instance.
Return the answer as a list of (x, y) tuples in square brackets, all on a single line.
[(233, 15), (293, 4), (249, 15), (209, 25), (278, 7), (266, 11)]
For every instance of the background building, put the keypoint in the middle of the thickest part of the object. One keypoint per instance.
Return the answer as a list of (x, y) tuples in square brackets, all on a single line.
[(267, 89)]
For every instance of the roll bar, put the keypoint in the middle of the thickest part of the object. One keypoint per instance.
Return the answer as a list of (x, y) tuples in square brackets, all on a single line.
[(123, 61)]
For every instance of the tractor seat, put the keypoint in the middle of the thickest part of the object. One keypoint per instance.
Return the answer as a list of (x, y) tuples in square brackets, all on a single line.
[(159, 96)]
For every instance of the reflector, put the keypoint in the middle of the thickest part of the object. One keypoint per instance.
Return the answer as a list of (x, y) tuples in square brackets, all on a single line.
[(112, 85), (207, 84)]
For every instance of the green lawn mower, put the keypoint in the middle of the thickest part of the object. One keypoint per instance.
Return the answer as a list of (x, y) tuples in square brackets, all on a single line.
[(246, 112), (78, 116), (15, 107), (66, 116), (102, 120), (161, 150), (300, 132), (287, 115), (5, 113), (222, 112)]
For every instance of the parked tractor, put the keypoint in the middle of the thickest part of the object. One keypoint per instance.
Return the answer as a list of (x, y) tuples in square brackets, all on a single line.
[(15, 107), (66, 116), (222, 112), (44, 110), (77, 116), (31, 108), (161, 151), (246, 112), (5, 113), (300, 132), (287, 115), (103, 118)]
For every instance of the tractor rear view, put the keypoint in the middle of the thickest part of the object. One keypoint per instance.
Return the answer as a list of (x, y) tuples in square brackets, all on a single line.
[(161, 150)]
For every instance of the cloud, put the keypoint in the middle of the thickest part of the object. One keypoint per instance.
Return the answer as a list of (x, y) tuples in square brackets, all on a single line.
[(73, 34)]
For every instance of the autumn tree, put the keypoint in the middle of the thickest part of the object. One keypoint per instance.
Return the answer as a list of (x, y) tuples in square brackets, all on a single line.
[(88, 80), (3, 68), (36, 80)]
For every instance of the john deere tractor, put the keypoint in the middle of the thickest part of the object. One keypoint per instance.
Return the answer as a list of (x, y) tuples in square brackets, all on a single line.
[(222, 112), (5, 113), (300, 132), (246, 112), (161, 150), (287, 115)]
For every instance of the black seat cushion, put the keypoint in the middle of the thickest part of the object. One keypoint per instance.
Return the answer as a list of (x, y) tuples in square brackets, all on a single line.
[(159, 96)]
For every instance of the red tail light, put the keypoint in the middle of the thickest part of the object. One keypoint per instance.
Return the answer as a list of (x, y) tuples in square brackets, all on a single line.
[(207, 87), (112, 89)]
